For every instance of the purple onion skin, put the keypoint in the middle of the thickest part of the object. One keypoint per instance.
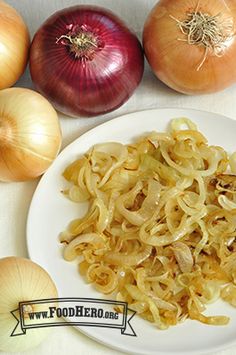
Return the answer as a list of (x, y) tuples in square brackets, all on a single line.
[(86, 87)]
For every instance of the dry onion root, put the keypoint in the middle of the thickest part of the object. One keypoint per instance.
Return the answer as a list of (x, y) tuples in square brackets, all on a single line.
[(30, 135), (191, 45), (157, 232)]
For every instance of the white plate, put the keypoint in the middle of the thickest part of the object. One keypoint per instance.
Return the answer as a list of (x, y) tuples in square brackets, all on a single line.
[(50, 213)]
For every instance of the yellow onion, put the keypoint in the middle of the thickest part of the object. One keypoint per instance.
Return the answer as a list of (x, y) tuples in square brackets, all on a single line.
[(30, 135), (14, 45), (183, 256), (116, 258), (22, 280), (191, 45)]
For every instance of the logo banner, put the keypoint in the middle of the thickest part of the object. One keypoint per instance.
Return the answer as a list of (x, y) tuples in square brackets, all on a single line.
[(69, 311)]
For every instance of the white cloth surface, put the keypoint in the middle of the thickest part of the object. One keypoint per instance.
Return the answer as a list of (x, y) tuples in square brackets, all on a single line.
[(15, 198)]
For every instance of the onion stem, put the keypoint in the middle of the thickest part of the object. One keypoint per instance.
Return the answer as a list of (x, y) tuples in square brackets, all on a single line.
[(80, 41), (206, 30), (82, 44)]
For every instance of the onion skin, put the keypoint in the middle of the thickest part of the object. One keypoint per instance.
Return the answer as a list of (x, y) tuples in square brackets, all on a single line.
[(14, 45), (86, 87), (22, 280), (175, 62), (30, 134)]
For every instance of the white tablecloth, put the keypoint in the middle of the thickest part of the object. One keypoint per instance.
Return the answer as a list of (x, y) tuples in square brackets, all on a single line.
[(15, 198)]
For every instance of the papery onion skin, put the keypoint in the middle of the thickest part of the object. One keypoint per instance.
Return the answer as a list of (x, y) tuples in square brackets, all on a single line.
[(82, 86), (14, 45), (30, 134), (22, 280), (176, 62)]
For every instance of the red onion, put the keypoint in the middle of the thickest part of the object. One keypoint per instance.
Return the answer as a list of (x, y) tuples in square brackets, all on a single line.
[(86, 61)]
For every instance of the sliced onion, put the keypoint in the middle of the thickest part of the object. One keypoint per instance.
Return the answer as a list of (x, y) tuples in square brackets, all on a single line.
[(148, 207), (70, 251), (183, 256), (105, 278), (128, 259), (211, 320), (226, 203), (137, 295), (228, 293), (113, 150)]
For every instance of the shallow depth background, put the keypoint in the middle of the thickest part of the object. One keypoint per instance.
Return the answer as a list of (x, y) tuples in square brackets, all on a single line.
[(15, 197)]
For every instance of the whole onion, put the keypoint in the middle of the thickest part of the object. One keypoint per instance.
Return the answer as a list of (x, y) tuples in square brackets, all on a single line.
[(22, 280), (14, 45), (30, 134), (86, 61), (191, 44)]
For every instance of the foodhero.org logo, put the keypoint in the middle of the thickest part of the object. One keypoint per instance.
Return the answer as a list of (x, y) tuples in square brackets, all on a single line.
[(73, 311), (77, 311)]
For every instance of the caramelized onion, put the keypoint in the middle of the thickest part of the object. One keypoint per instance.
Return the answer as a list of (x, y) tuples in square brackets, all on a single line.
[(128, 259)]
